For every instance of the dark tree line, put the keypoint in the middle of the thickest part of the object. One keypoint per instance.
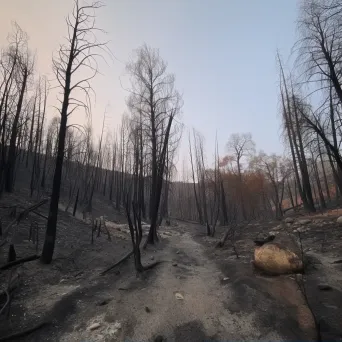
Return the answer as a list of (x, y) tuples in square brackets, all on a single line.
[(66, 162)]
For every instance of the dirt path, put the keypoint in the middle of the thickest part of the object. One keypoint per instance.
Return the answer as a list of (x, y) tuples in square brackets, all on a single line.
[(146, 308), (197, 293)]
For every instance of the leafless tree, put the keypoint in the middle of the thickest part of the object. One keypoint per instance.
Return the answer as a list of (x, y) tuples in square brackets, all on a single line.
[(78, 53), (240, 146), (277, 170), (153, 95)]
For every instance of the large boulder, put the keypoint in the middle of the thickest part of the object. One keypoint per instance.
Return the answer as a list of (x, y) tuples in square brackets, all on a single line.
[(280, 256)]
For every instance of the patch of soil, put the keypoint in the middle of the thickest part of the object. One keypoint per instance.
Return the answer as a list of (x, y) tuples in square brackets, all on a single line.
[(278, 302), (196, 293)]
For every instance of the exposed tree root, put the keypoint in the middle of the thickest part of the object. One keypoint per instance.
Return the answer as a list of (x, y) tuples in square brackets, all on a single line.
[(116, 264)]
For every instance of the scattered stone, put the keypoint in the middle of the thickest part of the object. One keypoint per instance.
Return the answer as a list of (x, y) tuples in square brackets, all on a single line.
[(147, 309), (94, 326), (280, 256), (304, 221), (103, 302), (301, 230), (117, 325), (324, 287), (263, 238), (174, 264), (113, 329), (273, 233), (179, 296), (289, 220)]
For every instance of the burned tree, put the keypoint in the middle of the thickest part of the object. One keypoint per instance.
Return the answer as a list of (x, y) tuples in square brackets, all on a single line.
[(240, 146), (153, 95), (276, 170), (78, 53)]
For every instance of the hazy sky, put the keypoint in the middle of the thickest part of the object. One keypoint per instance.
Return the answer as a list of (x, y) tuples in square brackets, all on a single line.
[(222, 52)]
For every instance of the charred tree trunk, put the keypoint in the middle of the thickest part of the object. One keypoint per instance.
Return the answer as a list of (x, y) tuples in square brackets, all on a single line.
[(11, 158)]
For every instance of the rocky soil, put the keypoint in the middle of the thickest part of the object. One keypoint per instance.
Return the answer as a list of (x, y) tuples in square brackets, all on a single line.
[(197, 293)]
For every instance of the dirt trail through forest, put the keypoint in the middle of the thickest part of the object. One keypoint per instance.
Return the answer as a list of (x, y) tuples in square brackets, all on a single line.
[(197, 293), (184, 302)]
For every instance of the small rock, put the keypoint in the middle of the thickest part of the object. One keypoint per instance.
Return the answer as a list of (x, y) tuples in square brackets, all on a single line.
[(339, 220), (304, 221), (152, 257), (273, 233), (174, 264), (179, 296), (118, 229), (63, 280), (117, 325), (225, 279), (261, 237), (289, 220), (279, 227), (103, 302), (147, 309), (324, 287), (177, 252), (94, 326), (159, 338), (301, 230)]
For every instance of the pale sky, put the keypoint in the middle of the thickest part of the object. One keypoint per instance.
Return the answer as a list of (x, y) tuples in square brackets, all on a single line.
[(221, 51)]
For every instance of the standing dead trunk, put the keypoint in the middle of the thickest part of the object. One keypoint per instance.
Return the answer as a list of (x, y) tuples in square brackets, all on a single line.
[(75, 54), (10, 165)]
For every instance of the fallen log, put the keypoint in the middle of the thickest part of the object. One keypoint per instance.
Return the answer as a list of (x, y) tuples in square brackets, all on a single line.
[(15, 336), (117, 263), (19, 261)]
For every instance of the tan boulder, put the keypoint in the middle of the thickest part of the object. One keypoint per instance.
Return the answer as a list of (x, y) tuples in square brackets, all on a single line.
[(280, 256)]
